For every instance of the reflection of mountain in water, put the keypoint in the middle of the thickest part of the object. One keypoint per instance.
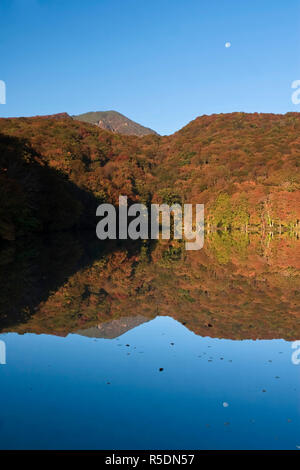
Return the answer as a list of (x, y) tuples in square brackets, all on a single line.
[(114, 328), (237, 287)]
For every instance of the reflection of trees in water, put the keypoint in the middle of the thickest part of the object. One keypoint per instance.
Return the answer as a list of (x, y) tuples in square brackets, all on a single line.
[(239, 286)]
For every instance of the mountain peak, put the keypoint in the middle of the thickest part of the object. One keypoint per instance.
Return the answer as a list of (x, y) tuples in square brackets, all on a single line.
[(114, 122)]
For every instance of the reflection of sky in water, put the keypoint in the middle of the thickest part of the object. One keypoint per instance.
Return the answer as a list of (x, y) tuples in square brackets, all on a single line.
[(80, 392)]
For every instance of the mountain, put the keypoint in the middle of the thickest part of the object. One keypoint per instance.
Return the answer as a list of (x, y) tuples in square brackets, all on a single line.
[(114, 122), (113, 328), (243, 167)]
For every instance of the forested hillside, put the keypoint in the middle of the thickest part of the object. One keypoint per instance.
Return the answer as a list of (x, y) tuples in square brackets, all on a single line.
[(243, 167), (238, 286)]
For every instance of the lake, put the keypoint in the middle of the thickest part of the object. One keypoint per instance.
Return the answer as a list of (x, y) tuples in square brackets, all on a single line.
[(146, 346)]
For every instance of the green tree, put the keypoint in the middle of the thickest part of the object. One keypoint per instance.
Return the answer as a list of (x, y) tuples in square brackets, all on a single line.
[(222, 212)]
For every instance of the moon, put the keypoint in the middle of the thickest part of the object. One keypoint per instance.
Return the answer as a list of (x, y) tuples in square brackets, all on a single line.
[(227, 44)]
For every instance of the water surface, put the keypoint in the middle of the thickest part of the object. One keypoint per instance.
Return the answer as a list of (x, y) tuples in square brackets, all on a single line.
[(150, 348)]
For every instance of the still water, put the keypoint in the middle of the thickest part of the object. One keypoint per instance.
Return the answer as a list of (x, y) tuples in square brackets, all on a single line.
[(167, 352)]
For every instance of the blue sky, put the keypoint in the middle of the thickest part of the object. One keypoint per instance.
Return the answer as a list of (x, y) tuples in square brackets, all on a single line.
[(160, 62)]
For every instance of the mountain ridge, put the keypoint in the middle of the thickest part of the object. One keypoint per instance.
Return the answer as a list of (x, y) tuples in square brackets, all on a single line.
[(243, 167)]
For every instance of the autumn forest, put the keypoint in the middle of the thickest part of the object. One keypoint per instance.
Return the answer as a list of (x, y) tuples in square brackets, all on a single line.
[(55, 170)]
